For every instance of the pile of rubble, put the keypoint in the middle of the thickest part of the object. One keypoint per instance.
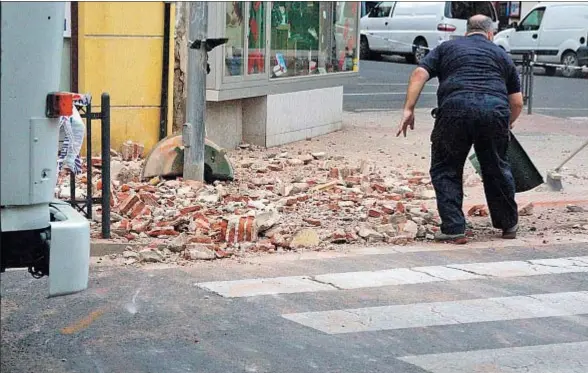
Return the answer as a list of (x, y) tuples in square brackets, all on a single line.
[(278, 202)]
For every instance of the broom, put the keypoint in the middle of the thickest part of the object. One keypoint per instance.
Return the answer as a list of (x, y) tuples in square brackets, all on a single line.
[(554, 177)]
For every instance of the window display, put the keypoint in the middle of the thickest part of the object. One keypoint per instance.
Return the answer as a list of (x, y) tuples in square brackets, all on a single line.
[(313, 37), (235, 31), (256, 44)]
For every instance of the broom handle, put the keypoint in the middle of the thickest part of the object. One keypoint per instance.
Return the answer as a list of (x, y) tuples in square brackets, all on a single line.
[(572, 155)]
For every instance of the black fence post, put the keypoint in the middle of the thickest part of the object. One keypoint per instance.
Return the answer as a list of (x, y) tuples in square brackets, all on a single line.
[(89, 187), (105, 142), (531, 78)]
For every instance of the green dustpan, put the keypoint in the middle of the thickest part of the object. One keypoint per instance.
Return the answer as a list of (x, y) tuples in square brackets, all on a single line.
[(525, 173)]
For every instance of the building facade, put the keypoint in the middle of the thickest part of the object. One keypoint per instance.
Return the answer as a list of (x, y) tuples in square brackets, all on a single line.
[(280, 76), (278, 79)]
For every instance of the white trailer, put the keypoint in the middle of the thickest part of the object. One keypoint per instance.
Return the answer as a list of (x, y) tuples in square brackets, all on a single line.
[(40, 233)]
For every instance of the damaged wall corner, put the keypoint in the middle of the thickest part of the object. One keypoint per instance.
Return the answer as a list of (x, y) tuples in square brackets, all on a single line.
[(180, 65)]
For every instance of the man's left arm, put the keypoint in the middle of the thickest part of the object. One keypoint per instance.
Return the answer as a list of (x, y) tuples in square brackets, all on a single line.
[(427, 69)]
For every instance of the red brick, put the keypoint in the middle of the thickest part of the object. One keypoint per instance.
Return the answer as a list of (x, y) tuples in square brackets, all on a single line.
[(334, 173), (394, 197), (373, 213), (125, 188), (409, 195), (353, 180), (400, 208), (238, 229), (303, 198), (313, 222), (170, 203), (124, 224), (191, 209), (339, 236), (131, 236), (264, 246), (418, 173), (147, 211), (137, 210), (291, 201), (146, 188), (220, 253), (163, 231), (127, 205), (201, 239), (415, 180), (149, 199), (478, 210), (379, 187)]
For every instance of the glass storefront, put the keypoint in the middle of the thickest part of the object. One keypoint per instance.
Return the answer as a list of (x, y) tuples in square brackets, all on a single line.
[(286, 39), (312, 37)]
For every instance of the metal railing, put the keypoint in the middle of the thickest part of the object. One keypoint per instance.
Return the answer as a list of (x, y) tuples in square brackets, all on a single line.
[(85, 205), (527, 79)]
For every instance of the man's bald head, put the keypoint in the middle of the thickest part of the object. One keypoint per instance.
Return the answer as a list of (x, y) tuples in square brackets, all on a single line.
[(480, 24)]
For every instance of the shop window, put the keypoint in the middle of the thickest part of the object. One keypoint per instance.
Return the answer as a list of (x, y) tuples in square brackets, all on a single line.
[(312, 37), (235, 32), (256, 38)]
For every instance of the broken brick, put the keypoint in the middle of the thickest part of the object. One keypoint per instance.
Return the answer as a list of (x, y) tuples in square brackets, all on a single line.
[(163, 231), (137, 210), (334, 173), (400, 208), (239, 229), (127, 205), (379, 187), (478, 210), (190, 209), (373, 213), (201, 239), (313, 222), (149, 199)]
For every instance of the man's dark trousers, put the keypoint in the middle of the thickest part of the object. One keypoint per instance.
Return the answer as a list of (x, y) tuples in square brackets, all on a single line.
[(462, 121)]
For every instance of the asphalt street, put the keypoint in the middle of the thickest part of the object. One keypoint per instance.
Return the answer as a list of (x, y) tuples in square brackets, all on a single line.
[(382, 86), (441, 309)]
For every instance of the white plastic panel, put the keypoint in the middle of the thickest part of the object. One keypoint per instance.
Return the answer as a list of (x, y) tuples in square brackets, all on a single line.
[(69, 254)]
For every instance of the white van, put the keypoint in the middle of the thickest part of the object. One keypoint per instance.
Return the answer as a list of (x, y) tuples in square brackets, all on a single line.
[(404, 28), (554, 30)]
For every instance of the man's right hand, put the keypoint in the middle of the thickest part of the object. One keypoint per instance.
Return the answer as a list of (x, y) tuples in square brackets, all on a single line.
[(407, 121)]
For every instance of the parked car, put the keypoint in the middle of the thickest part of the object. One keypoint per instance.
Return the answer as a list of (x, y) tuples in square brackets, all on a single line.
[(411, 29), (555, 31)]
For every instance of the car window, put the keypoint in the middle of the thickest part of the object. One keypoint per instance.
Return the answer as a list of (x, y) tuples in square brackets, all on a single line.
[(381, 10), (467, 9), (532, 21)]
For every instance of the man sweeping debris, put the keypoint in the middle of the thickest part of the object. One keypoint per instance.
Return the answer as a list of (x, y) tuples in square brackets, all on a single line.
[(479, 98)]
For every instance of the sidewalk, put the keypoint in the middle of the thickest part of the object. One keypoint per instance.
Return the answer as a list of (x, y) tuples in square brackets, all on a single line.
[(348, 187)]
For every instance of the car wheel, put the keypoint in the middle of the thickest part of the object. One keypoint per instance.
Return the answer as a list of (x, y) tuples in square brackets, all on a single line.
[(570, 62), (550, 70), (364, 49), (419, 51)]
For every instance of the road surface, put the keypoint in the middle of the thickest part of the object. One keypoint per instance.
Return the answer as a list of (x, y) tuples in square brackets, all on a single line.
[(382, 86), (433, 309)]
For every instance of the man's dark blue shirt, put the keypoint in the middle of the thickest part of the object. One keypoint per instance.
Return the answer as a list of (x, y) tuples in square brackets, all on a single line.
[(469, 65)]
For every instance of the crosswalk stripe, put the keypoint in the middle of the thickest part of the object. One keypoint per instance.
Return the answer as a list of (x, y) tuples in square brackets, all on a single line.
[(396, 276), (444, 313), (561, 357)]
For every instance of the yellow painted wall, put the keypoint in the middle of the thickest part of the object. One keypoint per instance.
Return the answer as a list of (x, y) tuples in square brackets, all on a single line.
[(120, 50)]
